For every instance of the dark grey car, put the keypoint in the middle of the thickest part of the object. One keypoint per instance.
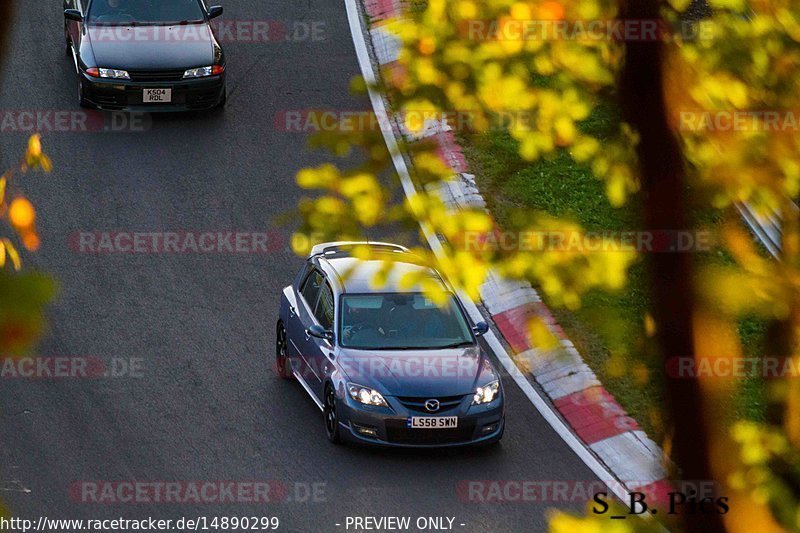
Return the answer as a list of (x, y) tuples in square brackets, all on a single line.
[(387, 365), (145, 55)]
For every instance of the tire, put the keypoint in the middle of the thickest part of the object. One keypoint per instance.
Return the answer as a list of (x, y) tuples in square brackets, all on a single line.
[(283, 368), (331, 416), (82, 101)]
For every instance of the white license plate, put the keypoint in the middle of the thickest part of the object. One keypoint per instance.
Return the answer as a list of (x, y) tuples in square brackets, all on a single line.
[(432, 422), (157, 96)]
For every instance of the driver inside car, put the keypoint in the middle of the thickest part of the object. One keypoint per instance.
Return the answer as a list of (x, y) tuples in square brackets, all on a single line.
[(111, 10), (395, 318), (359, 324)]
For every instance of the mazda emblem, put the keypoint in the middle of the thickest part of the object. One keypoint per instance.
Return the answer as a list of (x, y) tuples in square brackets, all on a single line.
[(432, 405)]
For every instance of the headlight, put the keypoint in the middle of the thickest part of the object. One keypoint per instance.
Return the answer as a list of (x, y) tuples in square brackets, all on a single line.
[(114, 73), (197, 72), (487, 393), (365, 395), (202, 72)]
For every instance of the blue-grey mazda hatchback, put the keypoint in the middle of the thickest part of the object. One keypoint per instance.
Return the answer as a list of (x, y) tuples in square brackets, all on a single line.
[(387, 366)]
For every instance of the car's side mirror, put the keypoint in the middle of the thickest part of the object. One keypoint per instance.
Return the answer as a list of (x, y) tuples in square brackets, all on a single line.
[(214, 11), (480, 329), (320, 332), (73, 14)]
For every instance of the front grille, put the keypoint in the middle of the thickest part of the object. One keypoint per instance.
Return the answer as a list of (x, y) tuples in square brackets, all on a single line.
[(418, 403), (398, 433), (156, 75)]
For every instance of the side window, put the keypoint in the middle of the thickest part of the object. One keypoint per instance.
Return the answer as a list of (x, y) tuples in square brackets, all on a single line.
[(311, 288), (303, 274), (324, 310)]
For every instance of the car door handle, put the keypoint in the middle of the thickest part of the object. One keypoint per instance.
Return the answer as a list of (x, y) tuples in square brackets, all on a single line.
[(291, 312)]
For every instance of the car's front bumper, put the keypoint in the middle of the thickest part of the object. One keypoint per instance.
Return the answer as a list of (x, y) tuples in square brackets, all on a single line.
[(387, 426), (125, 95)]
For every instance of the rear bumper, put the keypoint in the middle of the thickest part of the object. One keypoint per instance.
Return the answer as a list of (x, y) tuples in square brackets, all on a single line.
[(123, 95)]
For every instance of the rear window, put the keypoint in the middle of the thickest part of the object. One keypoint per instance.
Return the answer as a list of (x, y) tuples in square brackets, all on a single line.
[(144, 11)]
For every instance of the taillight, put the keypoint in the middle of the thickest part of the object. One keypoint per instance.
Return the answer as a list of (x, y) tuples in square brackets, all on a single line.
[(217, 69), (93, 72)]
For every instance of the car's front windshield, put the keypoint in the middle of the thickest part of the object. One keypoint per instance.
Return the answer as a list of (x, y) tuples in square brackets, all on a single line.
[(401, 321), (144, 11)]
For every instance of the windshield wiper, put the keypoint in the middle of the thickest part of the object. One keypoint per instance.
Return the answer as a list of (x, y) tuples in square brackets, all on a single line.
[(95, 24), (180, 22), (401, 348), (457, 345)]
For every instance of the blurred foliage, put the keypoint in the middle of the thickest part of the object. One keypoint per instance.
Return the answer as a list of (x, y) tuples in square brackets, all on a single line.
[(769, 469), (487, 80), (740, 60), (23, 295), (745, 59)]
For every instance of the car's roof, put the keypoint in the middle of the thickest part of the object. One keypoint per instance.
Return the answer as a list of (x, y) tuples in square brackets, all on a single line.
[(358, 275)]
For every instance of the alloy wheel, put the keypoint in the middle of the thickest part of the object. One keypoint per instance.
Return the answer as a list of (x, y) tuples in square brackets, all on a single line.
[(331, 418), (281, 361)]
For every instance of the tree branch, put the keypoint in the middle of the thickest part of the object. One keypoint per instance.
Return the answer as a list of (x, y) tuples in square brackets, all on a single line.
[(663, 175), (7, 8)]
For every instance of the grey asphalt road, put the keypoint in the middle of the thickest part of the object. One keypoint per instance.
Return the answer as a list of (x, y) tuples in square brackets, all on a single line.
[(207, 405)]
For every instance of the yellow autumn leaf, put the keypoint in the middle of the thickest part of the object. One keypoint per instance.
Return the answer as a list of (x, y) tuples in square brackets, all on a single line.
[(680, 5), (45, 163), (733, 5), (565, 131), (300, 243), (416, 112), (322, 177), (541, 336), (34, 146), (13, 255), (21, 213)]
